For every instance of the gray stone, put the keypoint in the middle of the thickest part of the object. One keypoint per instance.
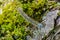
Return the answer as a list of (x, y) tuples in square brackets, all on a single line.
[(58, 21), (49, 22)]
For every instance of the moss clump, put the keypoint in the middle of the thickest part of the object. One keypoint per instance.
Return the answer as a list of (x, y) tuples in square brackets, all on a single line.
[(36, 9), (13, 25), (59, 14)]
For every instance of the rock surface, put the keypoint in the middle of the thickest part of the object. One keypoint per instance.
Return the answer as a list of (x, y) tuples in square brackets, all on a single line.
[(58, 21), (49, 21)]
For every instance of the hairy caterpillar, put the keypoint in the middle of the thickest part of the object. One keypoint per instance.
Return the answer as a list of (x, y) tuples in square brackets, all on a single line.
[(26, 17)]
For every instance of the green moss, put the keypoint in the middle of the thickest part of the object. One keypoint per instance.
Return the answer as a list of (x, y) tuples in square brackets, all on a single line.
[(59, 14), (36, 9), (13, 25), (0, 3)]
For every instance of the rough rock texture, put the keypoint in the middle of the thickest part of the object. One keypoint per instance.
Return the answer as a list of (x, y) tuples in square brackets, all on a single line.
[(49, 21), (58, 21), (55, 34)]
